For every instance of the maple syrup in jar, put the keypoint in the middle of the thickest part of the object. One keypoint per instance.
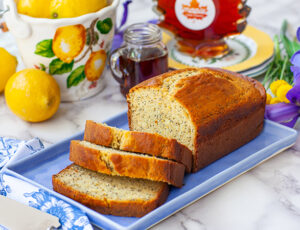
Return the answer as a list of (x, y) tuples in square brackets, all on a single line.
[(142, 56), (200, 26)]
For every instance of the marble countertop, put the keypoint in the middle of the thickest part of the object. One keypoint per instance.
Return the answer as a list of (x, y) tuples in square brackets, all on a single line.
[(267, 197)]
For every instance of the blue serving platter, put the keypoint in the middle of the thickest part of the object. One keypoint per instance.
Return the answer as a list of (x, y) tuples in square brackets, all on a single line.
[(39, 168)]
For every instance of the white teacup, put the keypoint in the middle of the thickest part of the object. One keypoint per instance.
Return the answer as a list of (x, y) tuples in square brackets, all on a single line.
[(73, 50)]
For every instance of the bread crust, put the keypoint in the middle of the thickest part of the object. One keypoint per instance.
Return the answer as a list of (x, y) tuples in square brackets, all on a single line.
[(134, 166), (232, 116), (140, 142), (130, 208), (98, 134)]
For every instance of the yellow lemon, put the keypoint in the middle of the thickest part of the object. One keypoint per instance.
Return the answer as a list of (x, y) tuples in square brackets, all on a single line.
[(8, 65), (74, 8), (68, 42), (95, 65), (32, 95), (276, 84), (282, 91), (269, 97), (34, 8), (274, 100)]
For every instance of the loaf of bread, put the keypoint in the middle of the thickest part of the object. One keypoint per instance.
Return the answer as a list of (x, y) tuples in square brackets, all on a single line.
[(211, 111), (120, 196), (121, 163), (140, 142)]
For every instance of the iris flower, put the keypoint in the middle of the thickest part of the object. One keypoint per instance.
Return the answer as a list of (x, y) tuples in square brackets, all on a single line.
[(118, 38), (288, 113)]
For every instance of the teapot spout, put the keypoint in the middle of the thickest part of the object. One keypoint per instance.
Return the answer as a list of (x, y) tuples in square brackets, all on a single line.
[(16, 25)]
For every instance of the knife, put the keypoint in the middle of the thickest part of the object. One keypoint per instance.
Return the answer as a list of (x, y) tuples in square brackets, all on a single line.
[(18, 216)]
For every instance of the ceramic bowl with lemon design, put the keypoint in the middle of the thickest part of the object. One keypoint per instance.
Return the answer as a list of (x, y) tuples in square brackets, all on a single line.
[(74, 49)]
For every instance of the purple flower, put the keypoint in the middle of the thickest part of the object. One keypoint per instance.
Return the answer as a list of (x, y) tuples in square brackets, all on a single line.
[(288, 113), (293, 95), (283, 113), (117, 41), (118, 38), (295, 59), (296, 72), (125, 14)]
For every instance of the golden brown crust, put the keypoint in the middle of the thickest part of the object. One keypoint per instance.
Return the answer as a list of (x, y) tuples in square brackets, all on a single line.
[(158, 80), (140, 142), (228, 140), (220, 104), (94, 134), (131, 208), (134, 166)]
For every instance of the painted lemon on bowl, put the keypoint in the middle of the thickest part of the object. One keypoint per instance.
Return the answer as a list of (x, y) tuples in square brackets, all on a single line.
[(95, 65), (33, 95), (8, 65), (72, 44), (68, 42)]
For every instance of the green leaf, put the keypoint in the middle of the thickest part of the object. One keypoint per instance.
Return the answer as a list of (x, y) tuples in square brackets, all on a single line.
[(287, 43), (76, 77), (44, 48), (104, 26), (277, 49), (88, 38), (280, 67), (295, 46), (43, 67), (57, 66)]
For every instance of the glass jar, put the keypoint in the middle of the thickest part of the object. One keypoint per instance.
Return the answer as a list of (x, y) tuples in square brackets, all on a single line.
[(142, 56)]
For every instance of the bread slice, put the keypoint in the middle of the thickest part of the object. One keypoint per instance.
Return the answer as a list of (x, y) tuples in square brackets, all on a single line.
[(121, 163), (120, 196), (141, 142), (209, 110)]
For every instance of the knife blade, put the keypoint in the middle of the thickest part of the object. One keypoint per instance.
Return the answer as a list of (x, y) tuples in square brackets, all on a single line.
[(18, 216)]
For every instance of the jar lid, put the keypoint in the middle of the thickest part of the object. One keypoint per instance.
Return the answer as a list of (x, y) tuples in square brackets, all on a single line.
[(142, 34)]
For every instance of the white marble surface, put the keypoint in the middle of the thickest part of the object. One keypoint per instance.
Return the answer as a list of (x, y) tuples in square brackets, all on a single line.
[(265, 198)]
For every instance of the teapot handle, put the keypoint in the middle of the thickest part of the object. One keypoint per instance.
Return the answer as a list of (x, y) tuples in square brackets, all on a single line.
[(16, 25)]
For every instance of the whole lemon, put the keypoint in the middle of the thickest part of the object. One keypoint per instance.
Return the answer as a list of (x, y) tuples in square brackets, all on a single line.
[(34, 8), (8, 65), (74, 8), (32, 95)]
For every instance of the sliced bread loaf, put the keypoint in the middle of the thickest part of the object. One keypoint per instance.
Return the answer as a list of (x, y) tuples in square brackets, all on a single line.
[(120, 196), (121, 163), (211, 111), (141, 142)]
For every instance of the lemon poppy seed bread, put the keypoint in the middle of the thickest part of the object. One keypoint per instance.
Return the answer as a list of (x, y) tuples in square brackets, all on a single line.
[(140, 142), (114, 195), (122, 163), (211, 111)]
